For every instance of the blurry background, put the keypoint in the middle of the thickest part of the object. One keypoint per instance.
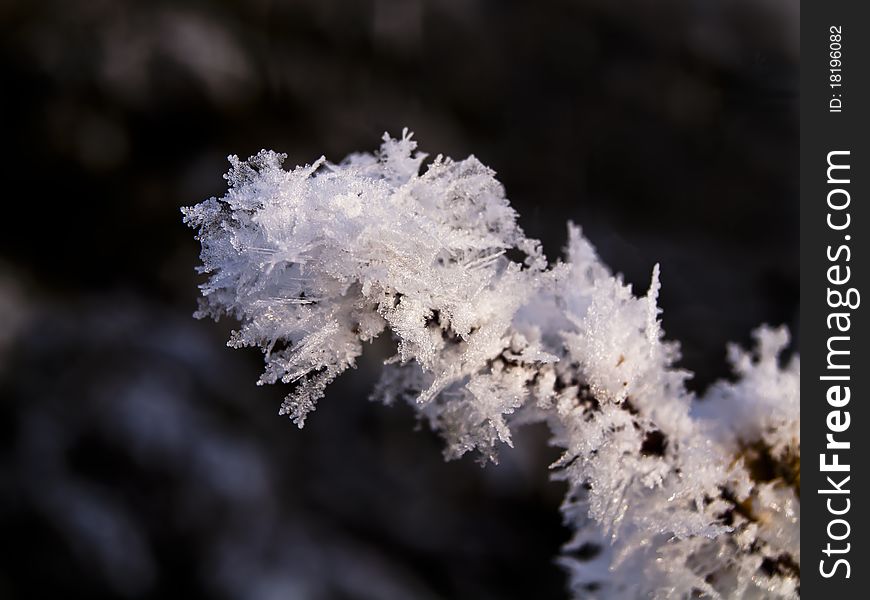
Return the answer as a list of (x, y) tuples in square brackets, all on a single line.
[(137, 458)]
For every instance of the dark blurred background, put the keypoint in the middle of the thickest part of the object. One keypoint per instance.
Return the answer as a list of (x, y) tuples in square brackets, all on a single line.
[(138, 459)]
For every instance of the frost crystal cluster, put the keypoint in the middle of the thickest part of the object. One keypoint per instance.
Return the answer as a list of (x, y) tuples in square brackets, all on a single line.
[(669, 496)]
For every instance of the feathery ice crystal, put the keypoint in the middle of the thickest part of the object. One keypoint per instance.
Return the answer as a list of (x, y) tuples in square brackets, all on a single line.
[(669, 496)]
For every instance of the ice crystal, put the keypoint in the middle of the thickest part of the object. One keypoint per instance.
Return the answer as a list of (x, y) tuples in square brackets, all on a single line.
[(668, 496)]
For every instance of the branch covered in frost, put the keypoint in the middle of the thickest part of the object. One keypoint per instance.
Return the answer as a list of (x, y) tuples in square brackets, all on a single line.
[(668, 496)]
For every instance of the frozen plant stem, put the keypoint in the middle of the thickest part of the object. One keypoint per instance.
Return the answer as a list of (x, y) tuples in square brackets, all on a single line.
[(669, 496)]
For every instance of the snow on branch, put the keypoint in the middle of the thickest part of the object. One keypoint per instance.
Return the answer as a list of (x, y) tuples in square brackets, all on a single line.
[(669, 496)]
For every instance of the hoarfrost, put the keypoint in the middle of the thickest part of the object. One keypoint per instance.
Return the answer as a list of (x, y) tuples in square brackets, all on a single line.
[(666, 493)]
